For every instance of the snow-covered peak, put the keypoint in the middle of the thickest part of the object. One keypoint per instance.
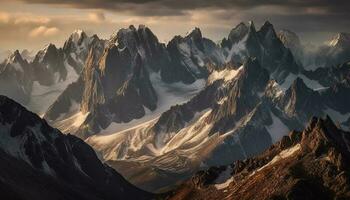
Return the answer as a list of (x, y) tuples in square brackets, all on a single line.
[(42, 53), (15, 60), (77, 35), (340, 39), (195, 33), (15, 57)]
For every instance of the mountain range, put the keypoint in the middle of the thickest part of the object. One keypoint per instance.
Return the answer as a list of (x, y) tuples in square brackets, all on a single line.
[(165, 116)]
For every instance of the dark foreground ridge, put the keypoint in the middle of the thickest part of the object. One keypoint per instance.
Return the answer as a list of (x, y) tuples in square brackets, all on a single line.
[(39, 162)]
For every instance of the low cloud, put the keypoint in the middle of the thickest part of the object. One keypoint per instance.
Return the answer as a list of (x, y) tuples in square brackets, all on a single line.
[(4, 17), (96, 17), (31, 20), (43, 31)]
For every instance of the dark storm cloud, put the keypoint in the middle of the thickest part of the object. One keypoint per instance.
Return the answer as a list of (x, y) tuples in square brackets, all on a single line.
[(310, 18), (178, 7)]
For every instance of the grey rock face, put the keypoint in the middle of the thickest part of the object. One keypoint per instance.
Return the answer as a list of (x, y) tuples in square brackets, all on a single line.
[(49, 66), (16, 78), (292, 42), (264, 45), (191, 58)]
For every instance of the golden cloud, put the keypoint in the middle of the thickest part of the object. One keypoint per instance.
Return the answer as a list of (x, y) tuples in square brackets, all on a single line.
[(43, 31), (96, 17), (4, 17)]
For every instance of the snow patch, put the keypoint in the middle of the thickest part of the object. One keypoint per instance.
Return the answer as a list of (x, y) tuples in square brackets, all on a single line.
[(43, 96), (282, 155), (226, 75), (224, 179), (312, 84), (277, 129), (337, 116), (285, 154)]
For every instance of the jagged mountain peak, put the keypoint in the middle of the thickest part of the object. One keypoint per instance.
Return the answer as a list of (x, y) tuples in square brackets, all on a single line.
[(286, 34), (133, 39), (340, 39), (50, 47), (194, 33), (47, 50), (299, 85), (251, 27), (237, 33), (15, 57), (78, 35), (292, 41), (268, 31)]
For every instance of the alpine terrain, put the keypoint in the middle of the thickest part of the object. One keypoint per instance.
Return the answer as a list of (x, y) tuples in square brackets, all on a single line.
[(256, 115)]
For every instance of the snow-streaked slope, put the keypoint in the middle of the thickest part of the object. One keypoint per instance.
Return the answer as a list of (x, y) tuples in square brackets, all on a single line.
[(43, 96), (315, 85), (226, 75), (193, 142), (168, 95), (277, 129)]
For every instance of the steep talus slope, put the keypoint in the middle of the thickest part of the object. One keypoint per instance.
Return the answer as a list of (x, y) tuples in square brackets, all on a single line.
[(42, 163), (311, 164)]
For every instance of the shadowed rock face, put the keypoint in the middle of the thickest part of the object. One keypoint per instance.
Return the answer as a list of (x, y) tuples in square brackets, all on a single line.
[(42, 163), (312, 164), (241, 96), (292, 42), (191, 58), (49, 66), (301, 102), (245, 41), (16, 77)]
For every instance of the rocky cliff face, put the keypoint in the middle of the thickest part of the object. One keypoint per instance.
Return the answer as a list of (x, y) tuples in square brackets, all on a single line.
[(292, 41), (42, 163), (191, 58), (310, 164), (264, 45), (16, 78), (49, 66)]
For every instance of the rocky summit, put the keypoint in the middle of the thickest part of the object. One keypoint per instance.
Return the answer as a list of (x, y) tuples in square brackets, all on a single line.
[(308, 164)]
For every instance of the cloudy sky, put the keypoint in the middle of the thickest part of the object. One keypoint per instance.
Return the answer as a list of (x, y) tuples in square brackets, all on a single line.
[(31, 24)]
